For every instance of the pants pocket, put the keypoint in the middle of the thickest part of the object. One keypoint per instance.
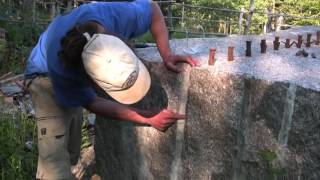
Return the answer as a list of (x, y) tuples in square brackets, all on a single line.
[(51, 138)]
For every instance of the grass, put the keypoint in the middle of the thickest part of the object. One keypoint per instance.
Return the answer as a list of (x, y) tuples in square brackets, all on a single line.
[(146, 38), (16, 160), (85, 142)]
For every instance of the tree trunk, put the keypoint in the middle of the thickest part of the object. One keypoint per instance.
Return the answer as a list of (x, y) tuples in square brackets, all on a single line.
[(53, 10), (58, 6), (240, 21), (269, 22), (33, 11), (170, 18), (27, 4), (279, 22), (248, 26), (69, 5)]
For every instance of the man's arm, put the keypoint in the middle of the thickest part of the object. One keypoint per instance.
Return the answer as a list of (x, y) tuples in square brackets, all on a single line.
[(160, 35), (161, 121)]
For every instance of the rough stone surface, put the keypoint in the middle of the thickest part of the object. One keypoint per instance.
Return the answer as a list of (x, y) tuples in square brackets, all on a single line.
[(128, 151), (214, 106), (304, 138), (240, 125)]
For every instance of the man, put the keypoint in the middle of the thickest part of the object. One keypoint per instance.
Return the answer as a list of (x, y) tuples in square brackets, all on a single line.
[(81, 52)]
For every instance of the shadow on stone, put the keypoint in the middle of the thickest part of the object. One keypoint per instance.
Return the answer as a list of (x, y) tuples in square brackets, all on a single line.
[(125, 149)]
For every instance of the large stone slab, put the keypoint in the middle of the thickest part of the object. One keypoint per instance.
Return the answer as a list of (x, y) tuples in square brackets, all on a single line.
[(234, 124), (254, 118)]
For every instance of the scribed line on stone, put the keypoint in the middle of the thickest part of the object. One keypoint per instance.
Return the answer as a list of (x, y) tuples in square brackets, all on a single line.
[(287, 115), (183, 98), (241, 128)]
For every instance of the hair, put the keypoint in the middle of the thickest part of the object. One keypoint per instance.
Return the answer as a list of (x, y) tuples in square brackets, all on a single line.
[(73, 42)]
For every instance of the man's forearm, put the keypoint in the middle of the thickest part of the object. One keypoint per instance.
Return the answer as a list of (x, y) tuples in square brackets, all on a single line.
[(160, 120), (115, 110), (159, 31)]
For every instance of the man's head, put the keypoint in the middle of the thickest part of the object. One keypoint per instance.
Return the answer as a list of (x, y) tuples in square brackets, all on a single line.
[(73, 42), (108, 61), (115, 68)]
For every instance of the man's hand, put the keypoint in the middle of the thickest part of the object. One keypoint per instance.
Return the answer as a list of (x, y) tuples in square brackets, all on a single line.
[(172, 60), (164, 119), (160, 120)]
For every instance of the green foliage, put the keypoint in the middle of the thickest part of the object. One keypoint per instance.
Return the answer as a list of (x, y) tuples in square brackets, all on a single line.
[(210, 20), (146, 38), (305, 8), (215, 20), (86, 142), (13, 58), (19, 40), (85, 136), (16, 161), (268, 155), (21, 34)]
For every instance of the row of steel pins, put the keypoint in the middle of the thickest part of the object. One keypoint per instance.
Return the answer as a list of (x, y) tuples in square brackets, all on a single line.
[(263, 45)]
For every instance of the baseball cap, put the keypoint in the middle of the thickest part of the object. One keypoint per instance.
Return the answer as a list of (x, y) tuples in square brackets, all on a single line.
[(115, 68)]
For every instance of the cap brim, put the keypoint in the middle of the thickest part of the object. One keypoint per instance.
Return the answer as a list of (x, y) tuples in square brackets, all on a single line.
[(136, 92)]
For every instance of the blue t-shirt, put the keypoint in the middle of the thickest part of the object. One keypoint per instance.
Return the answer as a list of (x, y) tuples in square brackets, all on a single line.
[(125, 19)]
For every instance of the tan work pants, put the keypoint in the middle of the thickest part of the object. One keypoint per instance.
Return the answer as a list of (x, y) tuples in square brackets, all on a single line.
[(59, 132)]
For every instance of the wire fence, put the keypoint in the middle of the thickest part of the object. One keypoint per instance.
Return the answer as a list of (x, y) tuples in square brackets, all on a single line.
[(223, 21), (186, 19)]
